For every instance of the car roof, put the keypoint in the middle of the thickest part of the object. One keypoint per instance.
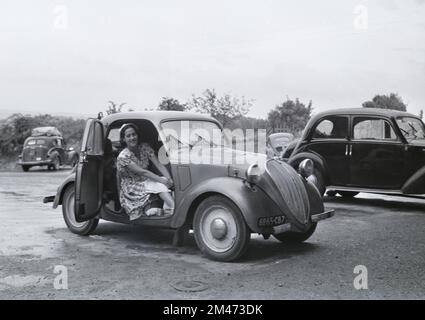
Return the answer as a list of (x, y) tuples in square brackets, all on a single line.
[(365, 111), (158, 116)]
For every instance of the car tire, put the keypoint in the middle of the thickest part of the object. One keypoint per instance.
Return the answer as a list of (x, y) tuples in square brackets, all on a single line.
[(81, 228), (74, 161), (296, 237), (317, 179), (221, 232), (25, 168), (56, 164), (348, 194), (331, 193)]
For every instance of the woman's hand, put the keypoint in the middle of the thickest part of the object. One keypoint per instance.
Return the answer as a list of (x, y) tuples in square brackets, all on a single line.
[(167, 181)]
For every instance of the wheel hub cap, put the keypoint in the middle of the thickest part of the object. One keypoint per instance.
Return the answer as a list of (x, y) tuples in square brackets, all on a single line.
[(218, 228)]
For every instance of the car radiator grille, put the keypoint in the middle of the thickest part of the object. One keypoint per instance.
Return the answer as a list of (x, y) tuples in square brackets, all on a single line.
[(31, 154), (291, 188)]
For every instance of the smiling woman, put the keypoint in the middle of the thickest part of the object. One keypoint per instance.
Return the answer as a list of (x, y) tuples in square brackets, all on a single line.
[(137, 182)]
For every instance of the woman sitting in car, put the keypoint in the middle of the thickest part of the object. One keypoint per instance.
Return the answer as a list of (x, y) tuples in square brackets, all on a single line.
[(137, 182)]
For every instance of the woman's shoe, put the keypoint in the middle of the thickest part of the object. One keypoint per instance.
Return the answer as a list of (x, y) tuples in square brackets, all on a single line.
[(154, 212)]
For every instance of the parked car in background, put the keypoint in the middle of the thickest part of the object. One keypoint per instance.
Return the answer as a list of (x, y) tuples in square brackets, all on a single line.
[(46, 147), (363, 150), (222, 201), (277, 143)]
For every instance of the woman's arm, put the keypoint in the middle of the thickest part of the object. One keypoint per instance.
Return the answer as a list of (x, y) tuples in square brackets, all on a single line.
[(159, 166), (146, 173)]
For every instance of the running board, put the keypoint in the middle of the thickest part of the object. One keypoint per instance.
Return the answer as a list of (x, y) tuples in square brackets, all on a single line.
[(378, 191)]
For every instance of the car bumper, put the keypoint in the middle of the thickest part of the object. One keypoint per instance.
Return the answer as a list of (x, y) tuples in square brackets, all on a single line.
[(34, 163), (314, 218)]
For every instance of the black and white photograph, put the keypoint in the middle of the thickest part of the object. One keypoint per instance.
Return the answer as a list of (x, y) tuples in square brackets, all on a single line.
[(212, 151)]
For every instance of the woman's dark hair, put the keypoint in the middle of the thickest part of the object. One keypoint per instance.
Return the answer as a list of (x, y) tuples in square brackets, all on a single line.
[(123, 128)]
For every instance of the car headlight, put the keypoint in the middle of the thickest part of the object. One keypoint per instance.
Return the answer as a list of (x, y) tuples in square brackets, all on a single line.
[(306, 168), (253, 173)]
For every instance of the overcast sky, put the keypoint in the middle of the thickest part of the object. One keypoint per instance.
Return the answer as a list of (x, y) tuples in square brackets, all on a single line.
[(74, 56)]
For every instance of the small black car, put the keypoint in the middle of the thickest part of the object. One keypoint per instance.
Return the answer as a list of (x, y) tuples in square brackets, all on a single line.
[(363, 150), (46, 148)]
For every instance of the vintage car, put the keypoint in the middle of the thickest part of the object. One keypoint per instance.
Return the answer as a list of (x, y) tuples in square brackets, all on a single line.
[(222, 199), (363, 150), (277, 143), (46, 147)]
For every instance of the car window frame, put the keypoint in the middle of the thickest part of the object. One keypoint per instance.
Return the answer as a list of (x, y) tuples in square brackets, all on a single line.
[(378, 117), (319, 121)]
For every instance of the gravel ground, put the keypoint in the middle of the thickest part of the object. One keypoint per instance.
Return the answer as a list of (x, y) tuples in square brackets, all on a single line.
[(384, 234)]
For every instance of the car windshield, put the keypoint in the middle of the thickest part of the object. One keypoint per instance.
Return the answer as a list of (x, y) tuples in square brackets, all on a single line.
[(193, 133), (411, 128), (36, 142)]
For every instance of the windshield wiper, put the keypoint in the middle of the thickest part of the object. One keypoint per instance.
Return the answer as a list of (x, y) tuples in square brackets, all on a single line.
[(179, 141), (212, 144)]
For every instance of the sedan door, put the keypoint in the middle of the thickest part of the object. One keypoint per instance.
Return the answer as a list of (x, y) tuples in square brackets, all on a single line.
[(329, 139), (377, 155)]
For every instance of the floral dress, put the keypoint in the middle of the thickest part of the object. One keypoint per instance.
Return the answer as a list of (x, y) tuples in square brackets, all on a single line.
[(136, 189)]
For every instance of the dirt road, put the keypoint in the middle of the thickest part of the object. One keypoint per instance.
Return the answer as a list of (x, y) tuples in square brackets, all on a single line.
[(384, 234)]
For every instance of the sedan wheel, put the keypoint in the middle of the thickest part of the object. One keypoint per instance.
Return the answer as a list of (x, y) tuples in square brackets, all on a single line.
[(220, 230), (68, 210), (348, 194), (317, 179)]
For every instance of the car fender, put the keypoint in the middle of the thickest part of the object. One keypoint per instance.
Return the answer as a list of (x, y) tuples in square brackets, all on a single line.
[(251, 203), (71, 155), (416, 183), (61, 190), (53, 153), (317, 159), (314, 197)]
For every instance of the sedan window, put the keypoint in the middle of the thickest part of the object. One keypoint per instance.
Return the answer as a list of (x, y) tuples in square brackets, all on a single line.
[(411, 128), (334, 127), (372, 129)]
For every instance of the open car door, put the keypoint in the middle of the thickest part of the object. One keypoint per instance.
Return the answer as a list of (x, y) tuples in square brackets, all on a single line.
[(89, 174)]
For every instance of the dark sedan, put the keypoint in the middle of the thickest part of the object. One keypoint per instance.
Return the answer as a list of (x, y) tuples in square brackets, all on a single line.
[(363, 150)]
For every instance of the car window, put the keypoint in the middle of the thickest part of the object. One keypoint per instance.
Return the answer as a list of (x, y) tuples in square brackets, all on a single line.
[(335, 127), (372, 129), (114, 136), (36, 142), (184, 134), (95, 140), (411, 128)]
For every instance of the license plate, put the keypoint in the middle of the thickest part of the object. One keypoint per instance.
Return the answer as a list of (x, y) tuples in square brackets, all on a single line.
[(38, 158), (271, 221)]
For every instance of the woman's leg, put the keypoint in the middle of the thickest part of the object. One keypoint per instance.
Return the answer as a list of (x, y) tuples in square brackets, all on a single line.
[(168, 199)]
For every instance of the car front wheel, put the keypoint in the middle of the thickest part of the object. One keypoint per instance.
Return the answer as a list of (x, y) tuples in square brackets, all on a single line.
[(296, 237), (220, 229), (68, 204)]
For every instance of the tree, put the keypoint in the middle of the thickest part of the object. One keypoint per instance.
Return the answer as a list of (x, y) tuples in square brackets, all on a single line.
[(225, 109), (421, 114), (391, 101), (170, 104), (290, 116), (114, 107)]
